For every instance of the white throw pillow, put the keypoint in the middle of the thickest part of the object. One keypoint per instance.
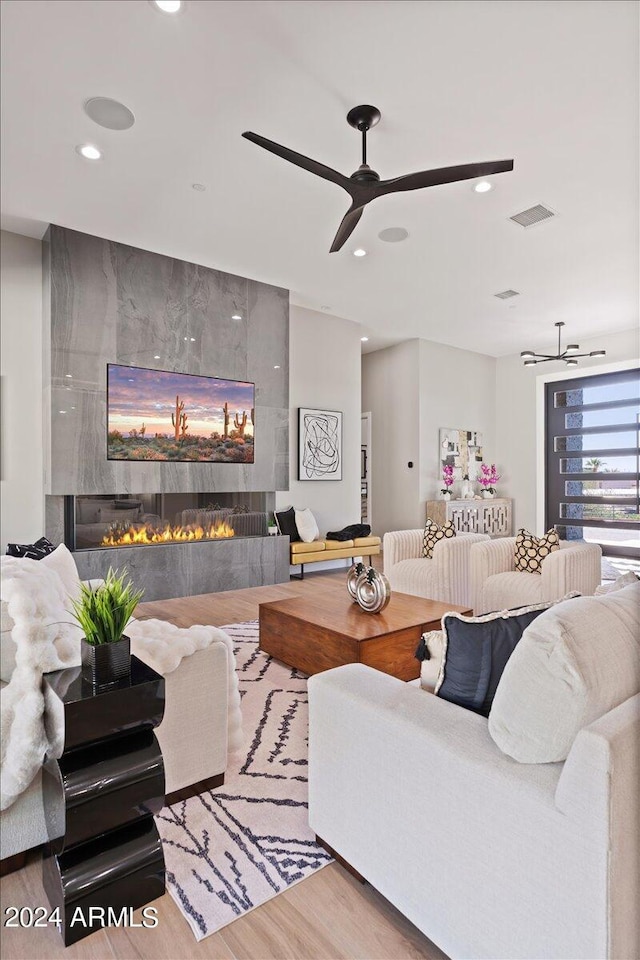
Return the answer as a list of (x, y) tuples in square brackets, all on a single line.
[(307, 526), (574, 663), (61, 560)]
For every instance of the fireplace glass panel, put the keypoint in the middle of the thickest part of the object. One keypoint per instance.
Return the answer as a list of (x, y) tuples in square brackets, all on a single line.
[(130, 519)]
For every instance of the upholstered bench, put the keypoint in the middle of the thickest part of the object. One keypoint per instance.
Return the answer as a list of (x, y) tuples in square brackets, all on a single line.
[(302, 553)]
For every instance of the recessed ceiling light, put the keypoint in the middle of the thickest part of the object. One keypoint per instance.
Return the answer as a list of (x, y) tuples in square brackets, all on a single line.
[(482, 187), (364, 339), (359, 252), (393, 234), (193, 339), (167, 6), (131, 380), (62, 411), (200, 187), (236, 316), (276, 366), (186, 338), (109, 113), (69, 376), (89, 151), (157, 356)]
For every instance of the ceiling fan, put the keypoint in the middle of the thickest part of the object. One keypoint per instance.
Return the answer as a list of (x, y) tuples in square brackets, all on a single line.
[(365, 184)]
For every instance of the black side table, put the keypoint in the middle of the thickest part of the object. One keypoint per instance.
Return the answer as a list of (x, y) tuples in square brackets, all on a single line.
[(100, 796)]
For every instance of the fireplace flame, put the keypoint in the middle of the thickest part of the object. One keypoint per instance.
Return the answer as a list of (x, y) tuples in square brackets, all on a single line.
[(120, 537)]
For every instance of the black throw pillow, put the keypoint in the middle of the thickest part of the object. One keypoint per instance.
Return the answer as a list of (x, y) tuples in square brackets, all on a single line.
[(476, 650), (286, 523), (34, 551)]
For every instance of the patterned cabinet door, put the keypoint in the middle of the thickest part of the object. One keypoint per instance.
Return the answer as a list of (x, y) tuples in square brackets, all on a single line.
[(465, 516), (496, 520)]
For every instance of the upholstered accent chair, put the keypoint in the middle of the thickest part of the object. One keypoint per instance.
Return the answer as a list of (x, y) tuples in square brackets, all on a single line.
[(497, 585), (445, 577)]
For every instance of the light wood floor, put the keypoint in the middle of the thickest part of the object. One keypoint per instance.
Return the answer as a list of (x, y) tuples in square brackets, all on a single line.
[(329, 915)]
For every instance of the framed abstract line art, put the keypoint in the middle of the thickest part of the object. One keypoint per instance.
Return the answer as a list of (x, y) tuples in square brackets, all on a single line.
[(319, 444)]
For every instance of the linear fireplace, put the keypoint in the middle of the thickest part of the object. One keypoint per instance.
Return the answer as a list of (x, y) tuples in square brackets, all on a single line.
[(125, 520)]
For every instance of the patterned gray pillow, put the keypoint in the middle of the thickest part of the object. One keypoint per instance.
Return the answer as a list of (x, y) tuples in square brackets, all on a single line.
[(433, 533)]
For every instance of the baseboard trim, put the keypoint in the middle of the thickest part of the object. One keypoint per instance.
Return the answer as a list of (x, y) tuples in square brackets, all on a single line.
[(343, 863), (185, 793)]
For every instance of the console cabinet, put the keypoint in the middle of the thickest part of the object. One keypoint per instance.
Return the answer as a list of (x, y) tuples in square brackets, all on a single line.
[(493, 517)]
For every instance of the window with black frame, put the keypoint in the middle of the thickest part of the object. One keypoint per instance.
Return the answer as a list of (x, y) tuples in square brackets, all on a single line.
[(592, 460)]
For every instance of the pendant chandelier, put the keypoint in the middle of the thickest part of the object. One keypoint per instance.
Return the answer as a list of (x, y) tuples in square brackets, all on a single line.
[(570, 353)]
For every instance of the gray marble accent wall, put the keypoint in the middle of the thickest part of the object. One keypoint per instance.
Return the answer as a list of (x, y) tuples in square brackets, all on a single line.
[(189, 569), (110, 303)]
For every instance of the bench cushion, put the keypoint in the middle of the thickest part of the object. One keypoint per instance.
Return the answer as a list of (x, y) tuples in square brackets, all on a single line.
[(366, 542), (312, 547), (338, 544)]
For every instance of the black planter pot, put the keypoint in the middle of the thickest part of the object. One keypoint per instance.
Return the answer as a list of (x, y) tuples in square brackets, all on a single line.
[(106, 663)]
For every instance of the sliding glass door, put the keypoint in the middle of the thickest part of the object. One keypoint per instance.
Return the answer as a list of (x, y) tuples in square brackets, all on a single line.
[(592, 460)]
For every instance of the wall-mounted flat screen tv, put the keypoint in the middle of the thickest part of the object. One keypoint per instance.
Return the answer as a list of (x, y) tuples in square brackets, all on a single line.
[(157, 415)]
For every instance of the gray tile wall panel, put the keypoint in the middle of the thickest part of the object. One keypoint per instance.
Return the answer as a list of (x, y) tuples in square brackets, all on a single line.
[(111, 303)]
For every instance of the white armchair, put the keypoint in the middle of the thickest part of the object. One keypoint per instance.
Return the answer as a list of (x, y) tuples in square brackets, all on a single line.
[(445, 577), (497, 585)]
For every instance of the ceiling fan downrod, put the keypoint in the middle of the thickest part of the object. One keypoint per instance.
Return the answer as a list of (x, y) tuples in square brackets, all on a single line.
[(362, 118)]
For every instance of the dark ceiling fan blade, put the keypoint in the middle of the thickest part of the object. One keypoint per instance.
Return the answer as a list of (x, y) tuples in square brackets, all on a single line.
[(346, 228), (433, 178), (320, 169)]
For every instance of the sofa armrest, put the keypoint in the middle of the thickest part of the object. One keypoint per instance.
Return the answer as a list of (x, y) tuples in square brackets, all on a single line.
[(401, 545), (193, 734), (575, 566), (488, 559), (598, 790), (449, 568)]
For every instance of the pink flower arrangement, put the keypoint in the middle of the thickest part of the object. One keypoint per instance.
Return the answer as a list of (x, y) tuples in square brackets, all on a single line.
[(447, 478), (488, 478)]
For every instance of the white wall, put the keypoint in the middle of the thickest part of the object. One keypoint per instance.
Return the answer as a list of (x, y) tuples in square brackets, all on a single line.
[(517, 418), (457, 389), (325, 373), (390, 390), (21, 483), (414, 389)]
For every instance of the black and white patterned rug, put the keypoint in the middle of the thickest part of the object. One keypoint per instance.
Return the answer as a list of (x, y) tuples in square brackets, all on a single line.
[(230, 850)]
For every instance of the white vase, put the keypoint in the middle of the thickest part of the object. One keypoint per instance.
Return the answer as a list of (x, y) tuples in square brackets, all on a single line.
[(446, 496), (467, 490), (487, 495)]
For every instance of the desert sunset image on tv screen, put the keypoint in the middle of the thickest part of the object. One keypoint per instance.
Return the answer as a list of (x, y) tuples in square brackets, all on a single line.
[(156, 415)]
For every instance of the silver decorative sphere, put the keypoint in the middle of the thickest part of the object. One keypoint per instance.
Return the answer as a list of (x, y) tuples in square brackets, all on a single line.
[(356, 571), (373, 591)]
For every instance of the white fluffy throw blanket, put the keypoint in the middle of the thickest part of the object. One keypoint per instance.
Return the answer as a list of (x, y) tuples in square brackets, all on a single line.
[(47, 638)]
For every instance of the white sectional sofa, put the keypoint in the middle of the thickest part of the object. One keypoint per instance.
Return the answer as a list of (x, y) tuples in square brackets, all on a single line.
[(194, 734), (489, 857)]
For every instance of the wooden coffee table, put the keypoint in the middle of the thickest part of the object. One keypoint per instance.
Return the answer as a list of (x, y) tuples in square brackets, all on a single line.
[(312, 634)]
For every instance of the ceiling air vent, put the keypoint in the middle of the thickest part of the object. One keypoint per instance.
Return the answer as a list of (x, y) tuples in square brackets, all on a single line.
[(528, 218), (507, 294)]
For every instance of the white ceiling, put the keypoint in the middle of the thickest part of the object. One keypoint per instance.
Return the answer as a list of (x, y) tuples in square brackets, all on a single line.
[(551, 83)]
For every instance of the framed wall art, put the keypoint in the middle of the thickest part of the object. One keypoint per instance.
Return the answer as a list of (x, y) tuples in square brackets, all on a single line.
[(319, 444), (462, 450)]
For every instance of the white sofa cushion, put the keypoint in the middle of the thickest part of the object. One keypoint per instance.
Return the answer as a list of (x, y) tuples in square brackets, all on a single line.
[(575, 662)]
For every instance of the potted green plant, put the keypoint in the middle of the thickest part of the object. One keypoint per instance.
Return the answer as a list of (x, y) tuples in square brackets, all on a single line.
[(103, 614)]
